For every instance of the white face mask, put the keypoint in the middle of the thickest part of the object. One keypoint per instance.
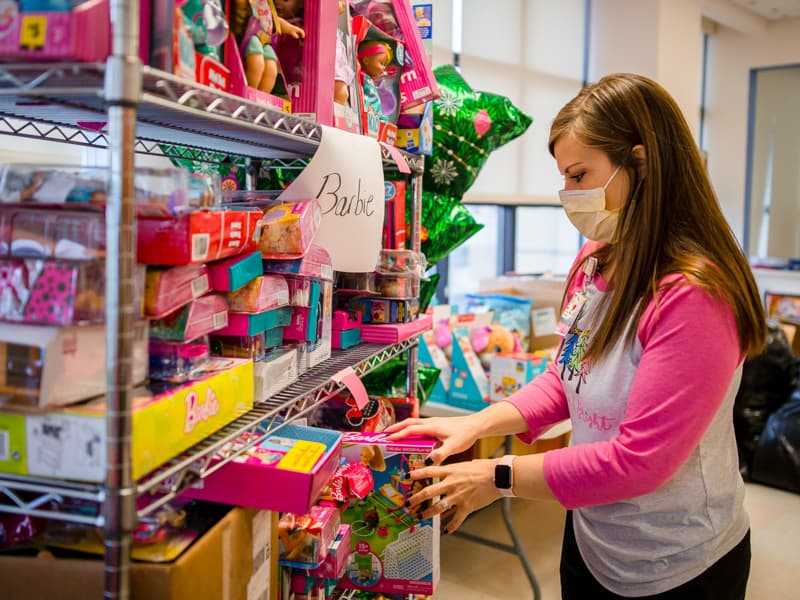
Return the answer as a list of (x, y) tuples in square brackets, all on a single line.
[(587, 211)]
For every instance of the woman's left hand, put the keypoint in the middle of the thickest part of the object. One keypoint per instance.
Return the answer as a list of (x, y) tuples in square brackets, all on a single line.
[(464, 486)]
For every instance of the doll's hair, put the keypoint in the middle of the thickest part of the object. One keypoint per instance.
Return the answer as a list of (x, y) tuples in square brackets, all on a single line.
[(372, 47)]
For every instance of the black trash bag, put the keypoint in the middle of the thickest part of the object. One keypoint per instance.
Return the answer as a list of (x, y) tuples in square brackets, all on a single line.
[(767, 381), (776, 461)]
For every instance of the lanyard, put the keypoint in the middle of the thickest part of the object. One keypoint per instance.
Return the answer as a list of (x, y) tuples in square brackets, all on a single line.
[(573, 308)]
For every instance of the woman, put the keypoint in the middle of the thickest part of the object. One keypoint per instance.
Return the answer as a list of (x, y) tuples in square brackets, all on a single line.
[(660, 311)]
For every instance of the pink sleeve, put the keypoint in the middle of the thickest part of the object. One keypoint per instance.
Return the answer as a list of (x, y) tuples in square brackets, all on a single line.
[(673, 399), (542, 402)]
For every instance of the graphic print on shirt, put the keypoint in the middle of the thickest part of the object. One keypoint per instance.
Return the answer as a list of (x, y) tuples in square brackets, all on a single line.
[(572, 356)]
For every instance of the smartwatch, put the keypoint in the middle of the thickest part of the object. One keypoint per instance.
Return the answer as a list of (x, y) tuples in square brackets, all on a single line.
[(504, 476)]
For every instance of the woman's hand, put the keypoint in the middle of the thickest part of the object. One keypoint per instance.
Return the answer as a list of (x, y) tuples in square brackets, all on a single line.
[(456, 434), (464, 488)]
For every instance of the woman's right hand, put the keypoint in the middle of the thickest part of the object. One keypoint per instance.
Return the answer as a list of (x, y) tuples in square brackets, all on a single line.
[(456, 434)]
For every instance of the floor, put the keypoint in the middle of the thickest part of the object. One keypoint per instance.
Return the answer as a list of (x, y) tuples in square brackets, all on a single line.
[(474, 572)]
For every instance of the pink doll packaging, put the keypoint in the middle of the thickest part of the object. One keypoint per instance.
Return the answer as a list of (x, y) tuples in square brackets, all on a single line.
[(308, 64), (304, 539), (166, 290), (232, 273), (52, 292), (316, 263), (263, 293), (395, 18), (199, 317), (288, 228)]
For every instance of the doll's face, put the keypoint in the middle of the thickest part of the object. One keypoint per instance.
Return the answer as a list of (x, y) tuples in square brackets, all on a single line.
[(383, 18), (289, 9), (374, 65)]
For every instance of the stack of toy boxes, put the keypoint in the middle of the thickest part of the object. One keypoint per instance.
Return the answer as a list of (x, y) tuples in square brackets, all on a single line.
[(53, 276)]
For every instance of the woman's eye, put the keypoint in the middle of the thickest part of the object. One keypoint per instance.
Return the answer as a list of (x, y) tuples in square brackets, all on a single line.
[(577, 178)]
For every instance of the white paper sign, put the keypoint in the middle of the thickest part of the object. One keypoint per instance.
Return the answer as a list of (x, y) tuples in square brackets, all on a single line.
[(346, 176)]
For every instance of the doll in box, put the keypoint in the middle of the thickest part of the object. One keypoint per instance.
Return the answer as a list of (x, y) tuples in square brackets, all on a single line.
[(253, 22), (373, 56), (343, 72)]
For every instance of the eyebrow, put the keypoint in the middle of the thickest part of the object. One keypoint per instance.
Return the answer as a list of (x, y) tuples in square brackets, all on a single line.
[(566, 170)]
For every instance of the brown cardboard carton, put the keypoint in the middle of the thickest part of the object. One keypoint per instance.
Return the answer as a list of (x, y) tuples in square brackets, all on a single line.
[(218, 565)]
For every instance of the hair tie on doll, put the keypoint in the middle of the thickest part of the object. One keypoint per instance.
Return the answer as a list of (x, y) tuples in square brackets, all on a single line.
[(372, 51)]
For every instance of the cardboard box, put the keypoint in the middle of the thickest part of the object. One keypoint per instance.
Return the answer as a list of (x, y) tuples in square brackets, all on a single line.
[(69, 442), (511, 371), (229, 561)]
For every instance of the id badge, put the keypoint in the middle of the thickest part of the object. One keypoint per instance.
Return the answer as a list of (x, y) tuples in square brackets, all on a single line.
[(570, 313)]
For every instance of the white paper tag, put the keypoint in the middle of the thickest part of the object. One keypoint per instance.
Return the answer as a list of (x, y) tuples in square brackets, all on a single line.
[(200, 286), (200, 245), (544, 321)]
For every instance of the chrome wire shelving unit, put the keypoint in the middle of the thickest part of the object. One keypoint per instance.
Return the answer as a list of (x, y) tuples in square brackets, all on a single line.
[(127, 109)]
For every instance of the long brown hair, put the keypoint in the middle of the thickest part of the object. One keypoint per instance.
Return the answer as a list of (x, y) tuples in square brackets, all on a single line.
[(672, 221)]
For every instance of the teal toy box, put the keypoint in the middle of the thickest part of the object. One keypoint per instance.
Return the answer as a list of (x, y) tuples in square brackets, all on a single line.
[(430, 355), (392, 551), (469, 385)]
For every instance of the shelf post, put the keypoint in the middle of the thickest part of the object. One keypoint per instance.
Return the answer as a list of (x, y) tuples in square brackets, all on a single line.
[(416, 246), (122, 89)]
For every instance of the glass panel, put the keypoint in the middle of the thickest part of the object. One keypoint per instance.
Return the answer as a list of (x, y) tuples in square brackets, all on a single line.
[(477, 258), (546, 240)]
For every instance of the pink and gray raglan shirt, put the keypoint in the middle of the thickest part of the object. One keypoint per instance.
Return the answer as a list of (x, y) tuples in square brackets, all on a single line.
[(651, 472)]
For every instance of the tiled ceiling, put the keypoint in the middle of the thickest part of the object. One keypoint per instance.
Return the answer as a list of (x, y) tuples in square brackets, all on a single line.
[(771, 9)]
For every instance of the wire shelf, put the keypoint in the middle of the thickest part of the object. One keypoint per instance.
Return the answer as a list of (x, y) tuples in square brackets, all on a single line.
[(67, 501), (171, 111)]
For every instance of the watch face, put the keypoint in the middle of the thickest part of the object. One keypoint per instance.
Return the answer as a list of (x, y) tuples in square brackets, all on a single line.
[(502, 477)]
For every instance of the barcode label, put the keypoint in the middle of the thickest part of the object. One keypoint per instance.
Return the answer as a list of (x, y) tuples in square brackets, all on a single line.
[(200, 244), (5, 442), (257, 232), (200, 286), (220, 319)]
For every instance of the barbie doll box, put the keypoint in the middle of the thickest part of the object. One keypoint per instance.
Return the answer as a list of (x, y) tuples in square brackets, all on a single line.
[(392, 549), (70, 442)]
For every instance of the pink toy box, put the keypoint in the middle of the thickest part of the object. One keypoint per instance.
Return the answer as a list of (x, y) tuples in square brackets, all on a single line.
[(51, 292), (199, 317), (392, 549), (166, 290), (304, 539), (84, 34), (297, 460), (232, 273), (395, 18), (392, 334), (263, 293), (308, 64), (316, 263), (244, 324)]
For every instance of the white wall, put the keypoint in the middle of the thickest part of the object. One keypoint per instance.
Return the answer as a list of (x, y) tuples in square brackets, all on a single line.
[(731, 56)]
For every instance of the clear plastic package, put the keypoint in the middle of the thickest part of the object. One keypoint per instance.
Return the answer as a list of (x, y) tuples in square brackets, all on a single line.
[(167, 289), (356, 283), (398, 285), (299, 291), (263, 293), (199, 317), (399, 272), (289, 228), (52, 233), (249, 346), (178, 361)]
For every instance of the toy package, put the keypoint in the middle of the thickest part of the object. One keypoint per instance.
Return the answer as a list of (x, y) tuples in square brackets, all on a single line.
[(52, 292), (275, 372), (394, 226), (469, 384), (52, 233), (399, 273), (289, 228), (415, 129), (246, 346), (379, 66), (232, 273), (308, 64), (361, 284), (316, 263), (263, 293), (511, 312), (304, 325), (336, 559), (70, 442), (296, 459), (392, 549), (299, 291), (46, 366), (510, 372), (167, 289), (178, 361), (304, 539), (199, 317), (198, 237), (385, 310), (346, 99), (255, 323), (80, 34), (395, 18), (346, 338)]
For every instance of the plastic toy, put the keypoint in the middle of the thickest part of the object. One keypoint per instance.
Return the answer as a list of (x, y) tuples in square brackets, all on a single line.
[(374, 57), (253, 23), (487, 341)]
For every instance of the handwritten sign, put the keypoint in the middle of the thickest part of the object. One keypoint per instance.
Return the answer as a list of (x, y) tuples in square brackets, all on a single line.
[(346, 177)]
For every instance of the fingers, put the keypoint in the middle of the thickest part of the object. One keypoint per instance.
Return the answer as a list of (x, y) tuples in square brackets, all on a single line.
[(400, 425)]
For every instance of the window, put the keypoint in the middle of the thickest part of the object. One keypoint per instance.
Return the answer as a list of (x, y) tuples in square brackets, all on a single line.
[(546, 240), (477, 258)]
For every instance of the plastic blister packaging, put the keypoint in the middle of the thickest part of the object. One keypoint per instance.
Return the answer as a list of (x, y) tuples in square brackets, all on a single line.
[(356, 283), (263, 293), (289, 228), (52, 233), (177, 361), (248, 346), (199, 317), (51, 292)]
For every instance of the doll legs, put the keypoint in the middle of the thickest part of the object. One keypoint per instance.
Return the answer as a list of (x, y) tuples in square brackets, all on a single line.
[(341, 94), (261, 65)]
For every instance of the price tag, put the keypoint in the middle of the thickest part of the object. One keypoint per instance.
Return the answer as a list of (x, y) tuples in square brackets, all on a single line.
[(33, 33)]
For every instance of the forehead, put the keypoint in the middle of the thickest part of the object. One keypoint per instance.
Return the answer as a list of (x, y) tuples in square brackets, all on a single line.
[(569, 150)]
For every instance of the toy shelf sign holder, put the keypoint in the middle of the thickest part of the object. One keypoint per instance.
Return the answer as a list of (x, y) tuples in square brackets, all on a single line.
[(346, 177)]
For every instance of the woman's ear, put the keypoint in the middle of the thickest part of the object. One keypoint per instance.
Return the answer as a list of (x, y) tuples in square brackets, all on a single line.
[(639, 160)]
